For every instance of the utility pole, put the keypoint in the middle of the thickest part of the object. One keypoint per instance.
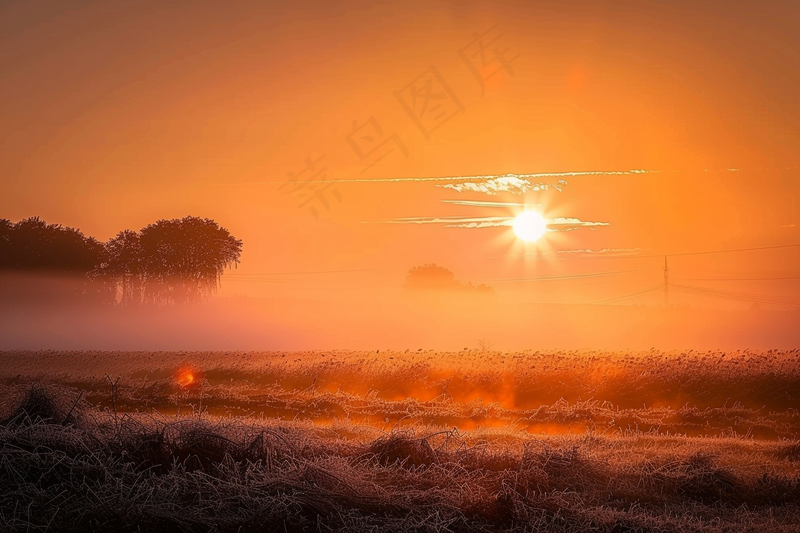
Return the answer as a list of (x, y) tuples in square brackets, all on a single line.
[(791, 182), (666, 283)]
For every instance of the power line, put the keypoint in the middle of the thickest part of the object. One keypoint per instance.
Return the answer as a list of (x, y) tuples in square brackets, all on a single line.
[(676, 254), (732, 295), (631, 295), (740, 279), (732, 250), (720, 291), (565, 276)]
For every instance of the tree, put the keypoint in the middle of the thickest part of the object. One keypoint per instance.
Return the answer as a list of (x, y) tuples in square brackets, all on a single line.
[(125, 266), (36, 246), (6, 227), (32, 246), (430, 278), (177, 260), (183, 259)]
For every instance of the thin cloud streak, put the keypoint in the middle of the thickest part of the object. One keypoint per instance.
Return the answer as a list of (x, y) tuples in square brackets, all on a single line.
[(500, 221), (488, 177), (602, 251), (473, 225), (569, 221), (509, 184), (479, 203), (561, 223), (521, 183), (477, 178)]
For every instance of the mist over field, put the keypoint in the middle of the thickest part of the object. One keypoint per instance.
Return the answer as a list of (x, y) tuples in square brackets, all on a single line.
[(382, 320)]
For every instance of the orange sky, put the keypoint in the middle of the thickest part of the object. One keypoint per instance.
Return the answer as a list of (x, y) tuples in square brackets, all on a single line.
[(116, 114)]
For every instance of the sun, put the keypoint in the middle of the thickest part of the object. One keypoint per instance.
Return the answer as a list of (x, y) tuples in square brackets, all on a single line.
[(529, 226)]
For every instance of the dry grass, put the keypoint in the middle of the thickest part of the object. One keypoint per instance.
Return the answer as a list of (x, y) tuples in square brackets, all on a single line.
[(405, 444)]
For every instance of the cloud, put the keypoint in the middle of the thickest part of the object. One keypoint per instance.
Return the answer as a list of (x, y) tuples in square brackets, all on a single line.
[(486, 224), (454, 222), (480, 203), (522, 180), (555, 224), (510, 183), (602, 251), (574, 222), (521, 183), (499, 182)]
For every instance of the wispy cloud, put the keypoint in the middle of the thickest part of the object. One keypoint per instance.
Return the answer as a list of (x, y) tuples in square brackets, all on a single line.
[(487, 177), (562, 221), (554, 224), (454, 222), (509, 178), (522, 183), (486, 224), (588, 253), (510, 184), (602, 251), (480, 203)]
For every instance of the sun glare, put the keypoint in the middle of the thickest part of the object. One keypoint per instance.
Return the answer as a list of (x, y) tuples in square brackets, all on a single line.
[(529, 226)]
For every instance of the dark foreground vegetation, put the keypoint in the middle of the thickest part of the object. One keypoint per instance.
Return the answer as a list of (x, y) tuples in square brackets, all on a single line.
[(65, 467), (412, 441)]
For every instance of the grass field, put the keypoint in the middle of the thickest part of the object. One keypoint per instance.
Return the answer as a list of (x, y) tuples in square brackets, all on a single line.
[(476, 440)]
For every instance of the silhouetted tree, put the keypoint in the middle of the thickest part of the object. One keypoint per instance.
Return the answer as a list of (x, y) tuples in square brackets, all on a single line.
[(6, 228), (176, 260), (36, 246), (32, 246), (183, 259), (433, 278), (125, 266), (479, 289)]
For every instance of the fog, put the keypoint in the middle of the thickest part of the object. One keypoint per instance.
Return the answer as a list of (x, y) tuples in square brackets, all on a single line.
[(376, 320)]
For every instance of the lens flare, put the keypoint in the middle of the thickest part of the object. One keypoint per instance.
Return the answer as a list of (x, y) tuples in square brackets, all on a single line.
[(185, 377)]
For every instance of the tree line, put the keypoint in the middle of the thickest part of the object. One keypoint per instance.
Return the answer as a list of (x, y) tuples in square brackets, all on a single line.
[(431, 278), (169, 261)]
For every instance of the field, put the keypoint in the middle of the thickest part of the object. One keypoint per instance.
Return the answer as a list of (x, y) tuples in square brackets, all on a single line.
[(476, 440)]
